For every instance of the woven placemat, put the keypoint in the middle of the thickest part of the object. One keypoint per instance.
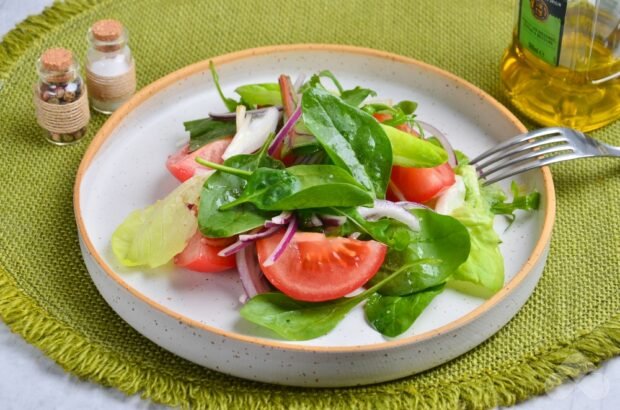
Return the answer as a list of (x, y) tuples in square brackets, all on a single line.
[(569, 325)]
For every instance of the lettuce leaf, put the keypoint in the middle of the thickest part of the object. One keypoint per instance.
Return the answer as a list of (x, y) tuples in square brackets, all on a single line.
[(482, 274), (154, 235)]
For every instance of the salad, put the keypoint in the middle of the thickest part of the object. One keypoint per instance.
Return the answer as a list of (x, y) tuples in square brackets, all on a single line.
[(324, 198)]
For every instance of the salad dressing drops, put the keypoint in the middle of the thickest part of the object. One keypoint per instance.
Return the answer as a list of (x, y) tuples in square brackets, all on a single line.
[(563, 66)]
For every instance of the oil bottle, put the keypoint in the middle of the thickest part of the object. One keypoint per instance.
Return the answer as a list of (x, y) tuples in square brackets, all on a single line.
[(563, 66)]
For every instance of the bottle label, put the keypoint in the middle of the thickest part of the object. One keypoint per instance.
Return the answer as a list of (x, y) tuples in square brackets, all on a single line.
[(541, 23)]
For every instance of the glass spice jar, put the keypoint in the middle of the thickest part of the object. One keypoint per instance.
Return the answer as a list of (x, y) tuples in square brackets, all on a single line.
[(60, 98), (110, 68)]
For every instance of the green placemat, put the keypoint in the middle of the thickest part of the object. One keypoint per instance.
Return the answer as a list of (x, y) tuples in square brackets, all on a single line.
[(570, 324)]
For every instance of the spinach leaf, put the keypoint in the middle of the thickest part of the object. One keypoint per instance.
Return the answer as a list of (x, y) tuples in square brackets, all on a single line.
[(442, 239), (206, 130), (352, 139), (352, 97), (260, 94), (315, 81), (389, 231), (297, 320), (356, 96), (230, 104), (222, 188), (393, 315), (299, 187), (401, 113), (414, 152)]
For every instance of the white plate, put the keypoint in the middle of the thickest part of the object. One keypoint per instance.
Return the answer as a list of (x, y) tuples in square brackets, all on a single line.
[(196, 315)]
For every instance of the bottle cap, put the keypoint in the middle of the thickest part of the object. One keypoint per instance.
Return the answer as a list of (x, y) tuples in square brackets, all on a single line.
[(107, 30), (57, 59)]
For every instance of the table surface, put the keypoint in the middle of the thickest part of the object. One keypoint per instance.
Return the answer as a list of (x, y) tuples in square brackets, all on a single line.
[(22, 366)]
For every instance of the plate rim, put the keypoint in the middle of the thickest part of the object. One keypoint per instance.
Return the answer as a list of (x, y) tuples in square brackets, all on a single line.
[(158, 85)]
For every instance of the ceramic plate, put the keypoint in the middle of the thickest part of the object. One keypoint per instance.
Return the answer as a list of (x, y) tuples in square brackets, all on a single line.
[(196, 315)]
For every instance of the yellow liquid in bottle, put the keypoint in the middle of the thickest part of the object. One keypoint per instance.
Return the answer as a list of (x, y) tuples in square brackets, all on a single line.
[(584, 96)]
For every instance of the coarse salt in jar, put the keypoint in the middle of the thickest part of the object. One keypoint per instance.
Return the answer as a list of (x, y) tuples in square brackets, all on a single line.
[(60, 98), (110, 68)]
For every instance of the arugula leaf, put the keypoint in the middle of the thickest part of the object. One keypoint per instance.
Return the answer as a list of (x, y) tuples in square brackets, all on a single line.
[(393, 315), (442, 240), (520, 200), (260, 94), (297, 320), (352, 139), (230, 104), (206, 130)]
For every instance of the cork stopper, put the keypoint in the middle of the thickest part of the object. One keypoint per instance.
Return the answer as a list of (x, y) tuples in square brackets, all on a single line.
[(57, 59), (107, 30)]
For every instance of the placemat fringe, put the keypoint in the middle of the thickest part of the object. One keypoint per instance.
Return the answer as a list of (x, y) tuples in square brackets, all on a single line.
[(76, 354), (35, 27)]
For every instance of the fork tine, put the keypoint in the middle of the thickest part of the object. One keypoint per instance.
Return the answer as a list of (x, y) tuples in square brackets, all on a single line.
[(527, 146), (517, 140), (536, 163), (522, 158)]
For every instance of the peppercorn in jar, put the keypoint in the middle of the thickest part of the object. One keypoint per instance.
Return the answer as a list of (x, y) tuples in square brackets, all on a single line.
[(60, 98)]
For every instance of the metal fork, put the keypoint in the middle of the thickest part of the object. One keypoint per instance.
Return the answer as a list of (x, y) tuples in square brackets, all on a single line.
[(537, 149)]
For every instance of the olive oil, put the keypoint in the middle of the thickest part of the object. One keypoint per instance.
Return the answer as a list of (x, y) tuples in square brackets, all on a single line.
[(574, 82)]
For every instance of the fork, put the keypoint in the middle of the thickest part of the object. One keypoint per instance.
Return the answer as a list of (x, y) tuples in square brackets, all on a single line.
[(537, 149)]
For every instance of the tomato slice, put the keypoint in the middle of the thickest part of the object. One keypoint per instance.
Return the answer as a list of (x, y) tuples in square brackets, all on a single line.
[(183, 164), (200, 256), (420, 184), (316, 268)]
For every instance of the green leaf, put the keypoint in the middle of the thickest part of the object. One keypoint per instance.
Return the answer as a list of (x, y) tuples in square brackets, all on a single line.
[(352, 139), (393, 315), (520, 200), (260, 94), (230, 104), (356, 96), (409, 151), (297, 320), (152, 236), (301, 186), (482, 274), (206, 130), (441, 239), (222, 188)]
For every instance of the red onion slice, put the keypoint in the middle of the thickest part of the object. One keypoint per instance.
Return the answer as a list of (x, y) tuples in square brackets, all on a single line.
[(315, 221), (281, 247), (279, 220), (388, 209), (234, 248), (252, 278), (333, 220), (284, 131), (443, 140), (262, 234)]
